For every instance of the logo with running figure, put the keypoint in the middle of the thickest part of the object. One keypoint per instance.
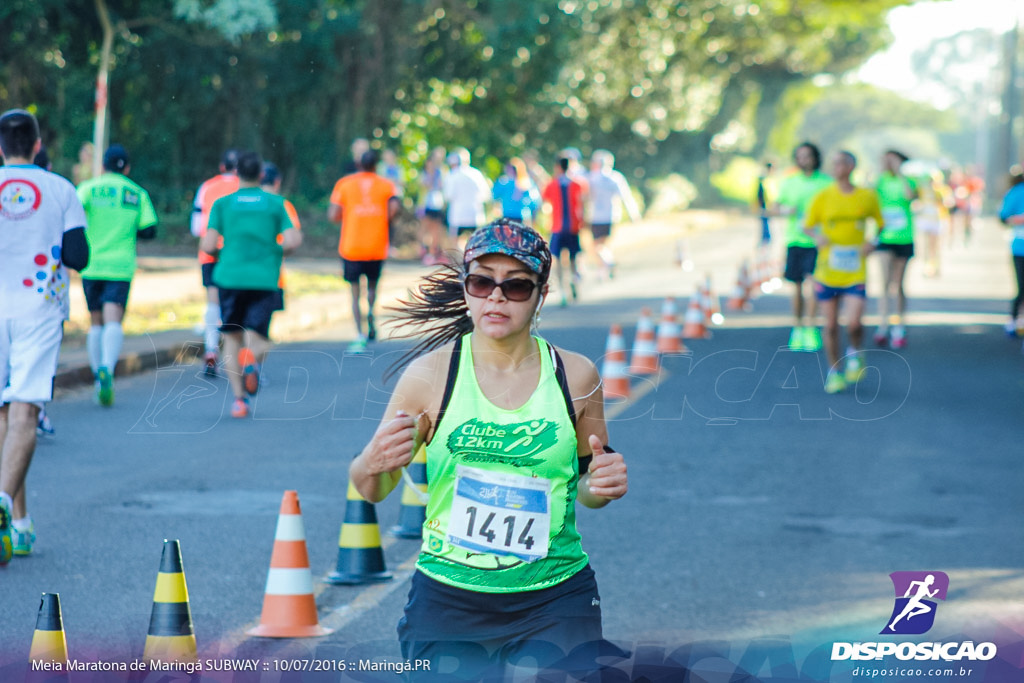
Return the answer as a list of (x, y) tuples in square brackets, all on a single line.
[(514, 444), (916, 592)]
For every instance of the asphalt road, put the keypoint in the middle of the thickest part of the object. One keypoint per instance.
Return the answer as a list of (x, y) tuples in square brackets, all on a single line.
[(764, 516)]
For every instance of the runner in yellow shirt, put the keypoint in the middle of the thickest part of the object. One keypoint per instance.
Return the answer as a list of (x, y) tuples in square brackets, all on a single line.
[(837, 222)]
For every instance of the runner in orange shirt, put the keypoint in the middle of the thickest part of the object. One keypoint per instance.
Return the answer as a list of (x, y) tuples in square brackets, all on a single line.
[(364, 204), (221, 185)]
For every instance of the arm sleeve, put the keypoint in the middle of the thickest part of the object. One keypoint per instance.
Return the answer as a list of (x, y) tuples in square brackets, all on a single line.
[(74, 249)]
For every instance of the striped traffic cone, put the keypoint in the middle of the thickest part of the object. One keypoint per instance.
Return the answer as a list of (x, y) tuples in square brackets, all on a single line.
[(740, 300), (645, 347), (360, 556), (693, 321), (48, 642), (289, 608), (413, 512), (714, 307), (670, 339), (170, 637), (613, 369)]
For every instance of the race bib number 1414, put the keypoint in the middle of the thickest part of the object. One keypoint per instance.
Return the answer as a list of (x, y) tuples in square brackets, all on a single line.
[(502, 514)]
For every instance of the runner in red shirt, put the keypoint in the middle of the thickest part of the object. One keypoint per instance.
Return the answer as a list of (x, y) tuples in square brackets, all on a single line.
[(565, 195)]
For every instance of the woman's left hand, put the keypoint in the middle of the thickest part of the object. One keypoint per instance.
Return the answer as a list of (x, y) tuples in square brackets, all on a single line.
[(607, 472)]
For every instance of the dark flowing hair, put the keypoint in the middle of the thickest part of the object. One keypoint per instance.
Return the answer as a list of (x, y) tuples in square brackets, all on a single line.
[(436, 310)]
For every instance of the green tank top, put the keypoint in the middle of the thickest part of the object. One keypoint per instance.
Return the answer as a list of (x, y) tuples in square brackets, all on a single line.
[(502, 511), (896, 210)]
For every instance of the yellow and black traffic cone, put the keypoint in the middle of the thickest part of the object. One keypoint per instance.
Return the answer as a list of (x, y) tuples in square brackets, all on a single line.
[(360, 555), (170, 637), (48, 643), (413, 512)]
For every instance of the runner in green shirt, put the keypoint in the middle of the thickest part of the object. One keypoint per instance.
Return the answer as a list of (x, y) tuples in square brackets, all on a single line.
[(795, 195), (119, 212), (895, 246), (515, 437), (248, 265)]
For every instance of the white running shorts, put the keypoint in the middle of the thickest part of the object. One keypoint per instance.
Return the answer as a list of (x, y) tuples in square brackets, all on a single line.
[(29, 348)]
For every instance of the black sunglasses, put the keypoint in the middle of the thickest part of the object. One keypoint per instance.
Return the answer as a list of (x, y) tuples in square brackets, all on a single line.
[(513, 289)]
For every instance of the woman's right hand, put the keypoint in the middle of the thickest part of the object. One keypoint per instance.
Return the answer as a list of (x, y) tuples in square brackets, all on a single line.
[(394, 444)]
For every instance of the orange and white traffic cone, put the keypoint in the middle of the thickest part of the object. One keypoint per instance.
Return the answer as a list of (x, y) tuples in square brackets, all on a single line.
[(714, 307), (289, 608), (670, 339), (693, 321), (740, 300), (48, 643), (170, 637), (613, 370), (645, 346)]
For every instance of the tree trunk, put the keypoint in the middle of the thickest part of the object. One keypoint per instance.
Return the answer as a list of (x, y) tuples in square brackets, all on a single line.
[(99, 132)]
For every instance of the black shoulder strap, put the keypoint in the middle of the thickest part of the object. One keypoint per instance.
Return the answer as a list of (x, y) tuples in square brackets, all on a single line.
[(449, 385), (563, 384)]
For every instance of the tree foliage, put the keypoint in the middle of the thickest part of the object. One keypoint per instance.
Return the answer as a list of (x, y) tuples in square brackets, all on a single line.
[(667, 84)]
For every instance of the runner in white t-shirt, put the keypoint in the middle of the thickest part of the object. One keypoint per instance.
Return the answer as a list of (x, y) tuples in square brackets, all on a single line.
[(42, 232), (467, 192), (609, 194)]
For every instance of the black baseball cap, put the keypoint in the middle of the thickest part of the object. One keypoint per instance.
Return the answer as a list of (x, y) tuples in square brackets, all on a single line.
[(115, 158)]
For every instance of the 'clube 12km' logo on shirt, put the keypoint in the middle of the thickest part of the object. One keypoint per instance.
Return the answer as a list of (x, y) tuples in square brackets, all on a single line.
[(916, 593), (514, 444)]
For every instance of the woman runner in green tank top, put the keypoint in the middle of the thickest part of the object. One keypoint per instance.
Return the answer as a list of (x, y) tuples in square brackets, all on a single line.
[(515, 435)]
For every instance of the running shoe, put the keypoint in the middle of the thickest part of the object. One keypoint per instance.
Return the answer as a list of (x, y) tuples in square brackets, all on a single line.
[(796, 339), (1011, 328), (881, 339), (573, 292), (812, 339), (240, 408), (104, 387), (251, 379), (210, 362), (371, 329), (834, 383), (854, 369), (6, 549), (22, 539), (357, 346), (899, 338), (44, 427)]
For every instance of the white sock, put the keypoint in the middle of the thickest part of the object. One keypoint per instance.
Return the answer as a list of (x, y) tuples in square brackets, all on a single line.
[(850, 351), (94, 344), (212, 337), (113, 338), (6, 499), (23, 524)]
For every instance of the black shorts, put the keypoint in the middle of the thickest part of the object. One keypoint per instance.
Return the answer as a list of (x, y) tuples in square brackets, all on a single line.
[(435, 214), (351, 270), (601, 230), (482, 630), (800, 262), (249, 309), (207, 269), (905, 251), (99, 292), (562, 241)]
